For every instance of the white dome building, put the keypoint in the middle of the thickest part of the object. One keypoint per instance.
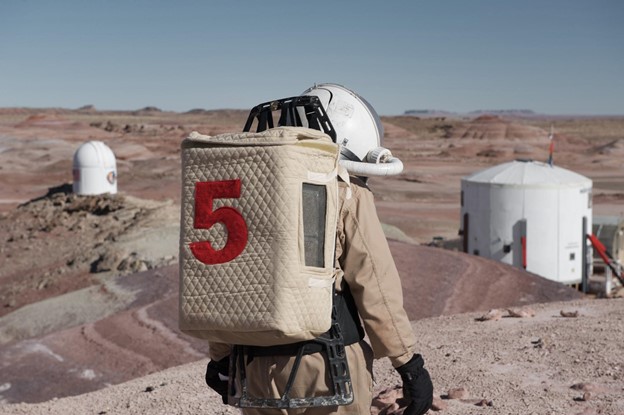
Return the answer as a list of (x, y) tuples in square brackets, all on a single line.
[(95, 169), (531, 215)]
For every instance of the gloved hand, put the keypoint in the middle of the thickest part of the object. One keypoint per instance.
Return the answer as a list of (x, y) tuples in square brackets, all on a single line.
[(217, 375), (417, 386)]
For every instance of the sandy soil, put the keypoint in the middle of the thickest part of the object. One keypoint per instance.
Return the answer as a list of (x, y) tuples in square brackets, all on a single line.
[(545, 364), (88, 286)]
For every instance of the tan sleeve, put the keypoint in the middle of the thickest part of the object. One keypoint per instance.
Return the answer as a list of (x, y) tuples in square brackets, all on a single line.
[(365, 258), (218, 351)]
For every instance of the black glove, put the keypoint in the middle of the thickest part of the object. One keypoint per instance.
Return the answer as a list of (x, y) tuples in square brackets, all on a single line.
[(216, 382), (417, 386)]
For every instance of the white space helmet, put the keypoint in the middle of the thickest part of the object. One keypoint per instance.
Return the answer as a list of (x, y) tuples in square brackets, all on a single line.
[(358, 131)]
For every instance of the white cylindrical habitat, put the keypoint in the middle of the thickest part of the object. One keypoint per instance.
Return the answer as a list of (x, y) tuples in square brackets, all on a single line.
[(531, 215)]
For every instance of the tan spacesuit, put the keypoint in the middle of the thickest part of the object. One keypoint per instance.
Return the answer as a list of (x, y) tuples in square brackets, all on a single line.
[(366, 273)]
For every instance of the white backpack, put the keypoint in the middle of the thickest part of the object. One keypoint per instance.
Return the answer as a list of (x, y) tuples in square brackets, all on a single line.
[(258, 232)]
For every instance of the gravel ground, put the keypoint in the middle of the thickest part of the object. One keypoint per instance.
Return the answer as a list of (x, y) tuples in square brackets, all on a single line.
[(557, 358)]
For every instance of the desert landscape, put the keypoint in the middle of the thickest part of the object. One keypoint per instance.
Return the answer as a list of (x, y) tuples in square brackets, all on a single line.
[(88, 285)]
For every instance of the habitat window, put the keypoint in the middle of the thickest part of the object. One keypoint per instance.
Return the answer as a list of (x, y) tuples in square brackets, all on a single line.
[(314, 213), (572, 256)]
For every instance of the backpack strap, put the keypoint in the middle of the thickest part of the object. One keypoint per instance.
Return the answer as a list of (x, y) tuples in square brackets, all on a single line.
[(343, 175)]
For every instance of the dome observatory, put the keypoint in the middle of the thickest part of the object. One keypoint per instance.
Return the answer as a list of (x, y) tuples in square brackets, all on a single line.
[(95, 169), (530, 215)]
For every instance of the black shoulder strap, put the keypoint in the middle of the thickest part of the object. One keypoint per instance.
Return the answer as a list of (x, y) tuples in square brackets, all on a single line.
[(347, 315)]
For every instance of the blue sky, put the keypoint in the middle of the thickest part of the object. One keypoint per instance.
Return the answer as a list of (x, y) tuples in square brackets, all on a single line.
[(554, 57)]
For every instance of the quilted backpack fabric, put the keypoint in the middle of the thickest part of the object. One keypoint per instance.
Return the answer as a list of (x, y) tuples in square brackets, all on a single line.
[(246, 275)]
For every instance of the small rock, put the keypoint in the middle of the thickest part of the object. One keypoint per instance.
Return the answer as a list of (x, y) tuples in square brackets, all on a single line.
[(386, 401), (457, 393), (149, 389), (471, 401), (537, 342), (587, 396), (585, 387), (132, 264), (438, 404), (494, 314), (521, 313), (570, 314), (394, 408), (106, 262)]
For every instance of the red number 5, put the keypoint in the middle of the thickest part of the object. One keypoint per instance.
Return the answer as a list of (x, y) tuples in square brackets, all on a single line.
[(205, 217)]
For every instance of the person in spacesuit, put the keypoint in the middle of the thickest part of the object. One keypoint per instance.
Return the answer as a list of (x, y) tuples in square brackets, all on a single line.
[(367, 282)]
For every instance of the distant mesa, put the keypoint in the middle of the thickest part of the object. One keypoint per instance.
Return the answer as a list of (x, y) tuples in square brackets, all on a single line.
[(428, 113), (148, 109), (504, 112), (196, 111), (438, 113), (87, 108)]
